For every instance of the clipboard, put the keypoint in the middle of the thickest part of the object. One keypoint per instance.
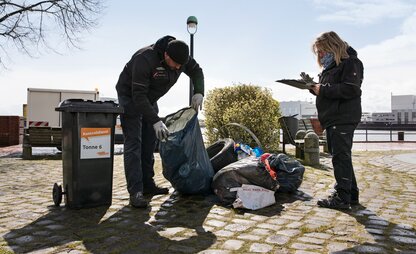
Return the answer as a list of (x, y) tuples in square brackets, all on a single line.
[(300, 84)]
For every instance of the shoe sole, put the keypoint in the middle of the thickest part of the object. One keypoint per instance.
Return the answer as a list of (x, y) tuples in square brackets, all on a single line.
[(324, 205)]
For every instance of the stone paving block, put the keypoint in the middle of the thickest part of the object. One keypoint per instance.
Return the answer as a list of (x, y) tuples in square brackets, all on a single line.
[(294, 225), (404, 240), (250, 237), (259, 218), (233, 244), (304, 246), (171, 231), (305, 252), (403, 232), (376, 231), (218, 217), (268, 226), (370, 249), (224, 233), (318, 235), (311, 240), (291, 217), (278, 221), (244, 222), (237, 227), (215, 223), (260, 248), (220, 211), (278, 239), (260, 231), (289, 232)]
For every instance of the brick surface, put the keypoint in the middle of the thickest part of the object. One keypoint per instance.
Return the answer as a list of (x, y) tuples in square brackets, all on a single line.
[(385, 221)]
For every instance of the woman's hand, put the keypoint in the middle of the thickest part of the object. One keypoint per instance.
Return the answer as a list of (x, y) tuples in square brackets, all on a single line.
[(315, 89)]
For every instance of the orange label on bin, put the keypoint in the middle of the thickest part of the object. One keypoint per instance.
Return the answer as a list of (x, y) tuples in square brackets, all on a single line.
[(95, 143), (94, 132)]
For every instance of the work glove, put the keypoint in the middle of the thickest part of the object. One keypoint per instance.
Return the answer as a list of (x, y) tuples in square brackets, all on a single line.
[(197, 101), (161, 130)]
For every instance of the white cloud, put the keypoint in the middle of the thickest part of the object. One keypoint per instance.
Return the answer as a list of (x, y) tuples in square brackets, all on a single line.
[(359, 12), (389, 68), (409, 25)]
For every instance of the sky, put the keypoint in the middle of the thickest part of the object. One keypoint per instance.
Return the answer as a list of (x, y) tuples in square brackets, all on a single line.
[(237, 42)]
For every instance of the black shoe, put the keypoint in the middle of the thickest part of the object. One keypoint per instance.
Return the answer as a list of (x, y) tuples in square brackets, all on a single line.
[(155, 190), (354, 201), (137, 200), (334, 202)]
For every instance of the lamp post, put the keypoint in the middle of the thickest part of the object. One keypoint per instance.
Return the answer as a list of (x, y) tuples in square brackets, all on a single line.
[(191, 23)]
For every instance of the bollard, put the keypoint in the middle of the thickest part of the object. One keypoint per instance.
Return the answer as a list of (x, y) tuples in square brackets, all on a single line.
[(300, 135), (400, 135), (311, 151)]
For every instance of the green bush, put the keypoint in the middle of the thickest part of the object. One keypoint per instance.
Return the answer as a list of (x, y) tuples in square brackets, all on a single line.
[(249, 105)]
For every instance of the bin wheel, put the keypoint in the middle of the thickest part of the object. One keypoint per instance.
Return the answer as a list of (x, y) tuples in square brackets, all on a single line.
[(57, 194)]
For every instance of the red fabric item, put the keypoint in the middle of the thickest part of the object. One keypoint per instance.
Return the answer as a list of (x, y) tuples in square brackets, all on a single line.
[(270, 169), (264, 156)]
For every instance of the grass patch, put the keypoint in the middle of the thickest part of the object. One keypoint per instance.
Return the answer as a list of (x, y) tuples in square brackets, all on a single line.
[(320, 229), (3, 251), (73, 245)]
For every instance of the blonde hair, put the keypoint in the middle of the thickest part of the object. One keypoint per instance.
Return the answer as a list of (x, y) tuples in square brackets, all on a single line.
[(330, 42)]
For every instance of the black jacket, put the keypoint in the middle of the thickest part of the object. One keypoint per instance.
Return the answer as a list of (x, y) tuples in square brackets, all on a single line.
[(147, 77), (339, 99)]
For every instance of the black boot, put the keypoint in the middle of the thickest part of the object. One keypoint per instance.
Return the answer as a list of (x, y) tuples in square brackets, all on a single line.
[(354, 198), (153, 189), (334, 202), (137, 200)]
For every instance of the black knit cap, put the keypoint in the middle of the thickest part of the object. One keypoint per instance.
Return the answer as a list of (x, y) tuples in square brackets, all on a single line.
[(178, 51)]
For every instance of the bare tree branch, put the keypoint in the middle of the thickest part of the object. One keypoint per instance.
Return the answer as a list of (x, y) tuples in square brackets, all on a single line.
[(27, 24)]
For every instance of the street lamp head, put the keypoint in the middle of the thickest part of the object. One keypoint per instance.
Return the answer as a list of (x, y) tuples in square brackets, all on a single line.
[(192, 23)]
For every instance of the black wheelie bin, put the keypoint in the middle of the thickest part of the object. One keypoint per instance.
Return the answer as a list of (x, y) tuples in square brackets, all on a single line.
[(87, 153)]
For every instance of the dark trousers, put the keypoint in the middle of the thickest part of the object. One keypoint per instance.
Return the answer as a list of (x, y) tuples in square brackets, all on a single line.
[(139, 145), (340, 139)]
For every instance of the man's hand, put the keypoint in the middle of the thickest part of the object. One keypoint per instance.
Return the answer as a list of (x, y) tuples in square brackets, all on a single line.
[(197, 101), (161, 130)]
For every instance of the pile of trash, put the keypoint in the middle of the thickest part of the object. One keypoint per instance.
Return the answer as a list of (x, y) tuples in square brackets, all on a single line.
[(239, 175), (252, 182)]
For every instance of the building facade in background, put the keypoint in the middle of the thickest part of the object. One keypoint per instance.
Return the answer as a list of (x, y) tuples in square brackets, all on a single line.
[(382, 117), (403, 111), (403, 108)]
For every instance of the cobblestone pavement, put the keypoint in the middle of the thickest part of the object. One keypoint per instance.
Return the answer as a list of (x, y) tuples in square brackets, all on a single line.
[(384, 223)]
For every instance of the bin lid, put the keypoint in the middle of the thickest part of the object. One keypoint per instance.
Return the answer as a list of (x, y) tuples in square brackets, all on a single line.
[(89, 106)]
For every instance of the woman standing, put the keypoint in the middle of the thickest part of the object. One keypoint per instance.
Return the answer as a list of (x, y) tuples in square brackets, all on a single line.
[(338, 100)]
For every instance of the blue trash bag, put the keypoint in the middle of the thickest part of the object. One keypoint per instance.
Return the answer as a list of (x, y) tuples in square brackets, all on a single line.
[(185, 161)]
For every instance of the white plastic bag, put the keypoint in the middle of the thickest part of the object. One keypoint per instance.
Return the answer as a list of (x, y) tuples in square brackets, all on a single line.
[(253, 197)]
